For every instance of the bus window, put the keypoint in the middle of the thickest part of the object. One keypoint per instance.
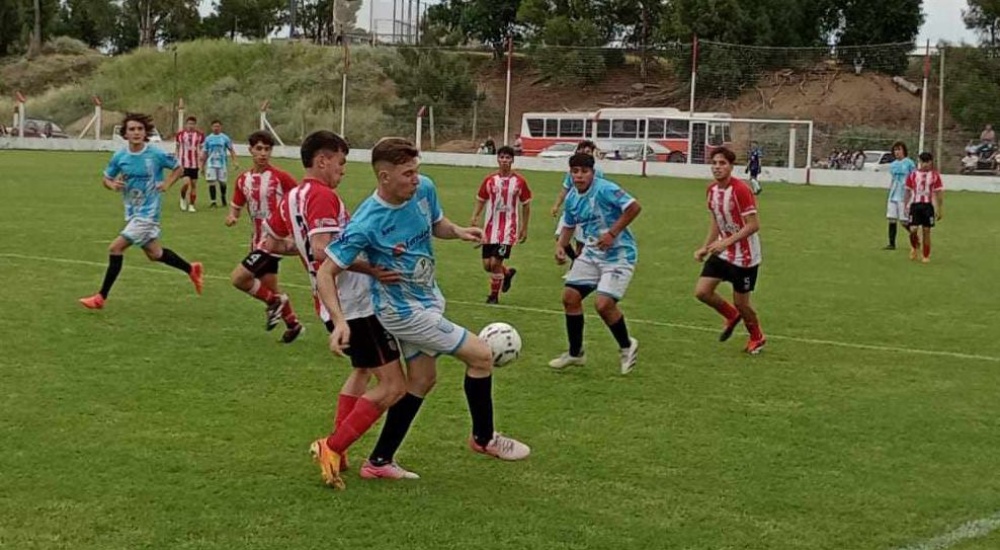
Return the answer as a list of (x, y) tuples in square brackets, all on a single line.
[(551, 127), (603, 129), (677, 129), (570, 127), (536, 127), (716, 135), (656, 128), (624, 128)]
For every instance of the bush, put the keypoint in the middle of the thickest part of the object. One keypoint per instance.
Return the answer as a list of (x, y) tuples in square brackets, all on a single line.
[(65, 45)]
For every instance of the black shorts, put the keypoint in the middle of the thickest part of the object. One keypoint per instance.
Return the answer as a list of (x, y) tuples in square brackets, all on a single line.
[(501, 251), (743, 279), (922, 214), (261, 263), (371, 345), (191, 173)]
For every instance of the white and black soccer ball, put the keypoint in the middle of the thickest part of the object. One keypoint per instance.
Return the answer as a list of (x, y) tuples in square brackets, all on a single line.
[(504, 342)]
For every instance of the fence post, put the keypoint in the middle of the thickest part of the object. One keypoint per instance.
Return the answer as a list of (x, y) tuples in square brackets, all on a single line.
[(343, 90), (939, 149), (506, 106), (694, 84), (420, 126), (433, 142), (180, 114), (923, 98), (98, 112), (19, 113)]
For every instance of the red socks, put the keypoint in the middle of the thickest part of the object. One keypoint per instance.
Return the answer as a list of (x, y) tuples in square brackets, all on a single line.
[(914, 240), (927, 249), (727, 310), (345, 404), (496, 281), (354, 425), (261, 292), (755, 332)]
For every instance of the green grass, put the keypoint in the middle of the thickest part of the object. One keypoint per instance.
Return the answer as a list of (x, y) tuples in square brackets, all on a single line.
[(170, 420)]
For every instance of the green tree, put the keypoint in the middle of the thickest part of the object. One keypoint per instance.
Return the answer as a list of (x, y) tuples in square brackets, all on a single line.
[(92, 21), (983, 16), (159, 20), (485, 21), (248, 18), (430, 77), (10, 26)]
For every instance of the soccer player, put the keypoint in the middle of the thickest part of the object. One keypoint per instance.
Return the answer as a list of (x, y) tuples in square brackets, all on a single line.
[(588, 147), (188, 149), (217, 150), (731, 251), (754, 168), (260, 191), (312, 215), (924, 200), (501, 194), (899, 169), (601, 211), (394, 228), (137, 172)]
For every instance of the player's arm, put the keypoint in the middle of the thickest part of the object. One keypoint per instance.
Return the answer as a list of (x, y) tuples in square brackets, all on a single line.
[(326, 288), (713, 236), (236, 205), (232, 154), (560, 199), (318, 243), (562, 242), (524, 218), (447, 229), (628, 215), (172, 178), (750, 226), (937, 198), (382, 274), (907, 197), (477, 211)]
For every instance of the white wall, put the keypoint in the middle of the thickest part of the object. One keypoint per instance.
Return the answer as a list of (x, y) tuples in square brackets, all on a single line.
[(835, 178)]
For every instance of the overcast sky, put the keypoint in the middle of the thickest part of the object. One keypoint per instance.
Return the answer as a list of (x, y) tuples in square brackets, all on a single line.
[(943, 22)]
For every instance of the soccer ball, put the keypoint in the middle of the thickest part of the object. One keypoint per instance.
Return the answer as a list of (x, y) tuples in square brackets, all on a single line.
[(504, 342)]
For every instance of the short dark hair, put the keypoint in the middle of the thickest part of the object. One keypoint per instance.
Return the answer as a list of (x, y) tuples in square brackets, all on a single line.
[(394, 150), (506, 150), (726, 153), (581, 160), (900, 144), (261, 136), (586, 144), (191, 119), (145, 120), (216, 121), (321, 140), (926, 157)]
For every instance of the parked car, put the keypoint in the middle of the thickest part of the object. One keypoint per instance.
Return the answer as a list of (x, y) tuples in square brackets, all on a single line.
[(632, 150), (559, 150), (877, 161), (40, 128), (154, 136)]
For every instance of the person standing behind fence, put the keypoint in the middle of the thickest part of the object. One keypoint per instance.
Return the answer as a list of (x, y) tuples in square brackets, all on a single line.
[(895, 207), (188, 150), (215, 155)]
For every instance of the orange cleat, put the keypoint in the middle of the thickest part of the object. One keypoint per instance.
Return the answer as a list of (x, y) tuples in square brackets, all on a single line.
[(197, 276), (93, 302)]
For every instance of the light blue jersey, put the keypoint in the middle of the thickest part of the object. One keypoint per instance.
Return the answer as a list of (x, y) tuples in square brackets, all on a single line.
[(899, 169), (216, 149), (568, 178), (396, 237), (142, 172), (596, 211)]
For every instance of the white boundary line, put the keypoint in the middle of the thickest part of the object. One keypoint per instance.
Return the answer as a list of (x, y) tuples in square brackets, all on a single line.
[(969, 530), (679, 326)]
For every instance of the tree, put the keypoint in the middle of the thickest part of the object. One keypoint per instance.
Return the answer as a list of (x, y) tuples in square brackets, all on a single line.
[(851, 22), (158, 20), (983, 16), (10, 24), (254, 19), (485, 21), (430, 77), (92, 21)]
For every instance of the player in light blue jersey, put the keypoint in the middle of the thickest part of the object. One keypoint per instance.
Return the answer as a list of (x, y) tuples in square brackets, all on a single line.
[(572, 251), (137, 172), (601, 211), (895, 209), (216, 151), (394, 228)]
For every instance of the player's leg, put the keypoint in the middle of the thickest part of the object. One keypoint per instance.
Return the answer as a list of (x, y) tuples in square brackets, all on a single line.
[(193, 190), (116, 257), (572, 299), (914, 241), (184, 190), (892, 214), (610, 290), (291, 320), (714, 272), (744, 281), (571, 251), (927, 243), (157, 253), (223, 176), (489, 265)]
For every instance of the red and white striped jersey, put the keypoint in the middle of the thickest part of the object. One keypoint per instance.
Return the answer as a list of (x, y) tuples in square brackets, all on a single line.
[(313, 208), (189, 143), (503, 196), (923, 185), (729, 205), (261, 193)]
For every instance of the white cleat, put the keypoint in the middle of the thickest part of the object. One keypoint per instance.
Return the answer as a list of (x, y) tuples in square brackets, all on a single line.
[(184, 205), (502, 447), (629, 355), (191, 209), (567, 360)]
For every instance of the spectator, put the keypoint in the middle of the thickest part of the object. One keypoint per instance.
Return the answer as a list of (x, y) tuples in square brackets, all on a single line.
[(988, 135)]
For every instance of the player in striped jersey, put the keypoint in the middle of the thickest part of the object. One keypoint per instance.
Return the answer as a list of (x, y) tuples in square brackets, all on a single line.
[(501, 195), (260, 191), (924, 204), (188, 150), (600, 212), (731, 251)]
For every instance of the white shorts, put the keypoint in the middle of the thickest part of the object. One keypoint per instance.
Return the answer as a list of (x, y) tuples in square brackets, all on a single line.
[(215, 174), (609, 279), (140, 231), (894, 211), (577, 233), (426, 331)]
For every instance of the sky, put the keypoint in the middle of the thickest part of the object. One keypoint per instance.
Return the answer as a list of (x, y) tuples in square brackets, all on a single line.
[(943, 18)]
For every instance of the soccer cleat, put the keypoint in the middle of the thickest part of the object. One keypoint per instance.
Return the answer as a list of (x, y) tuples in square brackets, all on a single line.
[(184, 204), (728, 329), (754, 347), (388, 471), (502, 447), (926, 259), (329, 463), (567, 360), (343, 462), (213, 205), (508, 278), (197, 276), (191, 209), (889, 247), (292, 332), (492, 299), (274, 308), (93, 302), (628, 356), (913, 253)]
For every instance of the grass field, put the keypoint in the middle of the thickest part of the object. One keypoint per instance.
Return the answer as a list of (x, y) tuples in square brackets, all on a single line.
[(170, 420)]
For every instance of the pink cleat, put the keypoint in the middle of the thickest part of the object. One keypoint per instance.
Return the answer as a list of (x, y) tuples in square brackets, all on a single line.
[(389, 471), (93, 302), (502, 447), (197, 276)]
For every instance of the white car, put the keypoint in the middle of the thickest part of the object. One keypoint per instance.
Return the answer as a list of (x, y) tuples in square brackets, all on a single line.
[(154, 136), (877, 161), (558, 151), (632, 150)]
